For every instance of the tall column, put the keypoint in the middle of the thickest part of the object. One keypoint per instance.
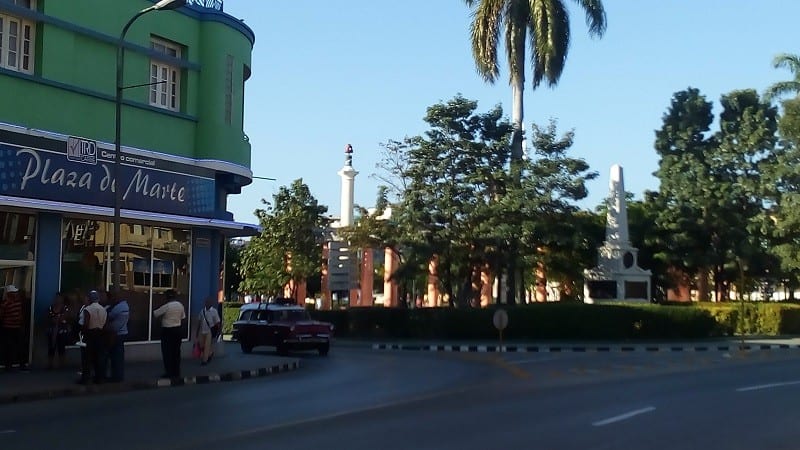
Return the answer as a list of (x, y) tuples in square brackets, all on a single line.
[(487, 283), (348, 175), (326, 291), (433, 281), (540, 287), (367, 271), (389, 286)]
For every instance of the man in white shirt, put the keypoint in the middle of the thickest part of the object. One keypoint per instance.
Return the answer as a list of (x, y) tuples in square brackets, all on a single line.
[(172, 314), (94, 319)]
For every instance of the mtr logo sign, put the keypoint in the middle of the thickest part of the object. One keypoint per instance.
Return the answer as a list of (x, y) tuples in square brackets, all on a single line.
[(82, 150)]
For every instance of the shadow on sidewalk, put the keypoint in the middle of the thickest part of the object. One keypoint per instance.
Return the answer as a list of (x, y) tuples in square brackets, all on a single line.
[(39, 384)]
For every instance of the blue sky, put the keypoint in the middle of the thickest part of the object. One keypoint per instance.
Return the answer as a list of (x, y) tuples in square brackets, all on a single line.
[(360, 72)]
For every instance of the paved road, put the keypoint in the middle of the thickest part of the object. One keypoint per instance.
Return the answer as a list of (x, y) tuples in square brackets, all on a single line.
[(361, 399)]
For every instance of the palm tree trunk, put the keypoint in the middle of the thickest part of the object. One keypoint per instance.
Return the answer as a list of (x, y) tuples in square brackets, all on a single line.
[(517, 150), (517, 117)]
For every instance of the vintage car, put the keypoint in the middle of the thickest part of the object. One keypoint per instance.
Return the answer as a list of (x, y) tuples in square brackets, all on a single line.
[(281, 324)]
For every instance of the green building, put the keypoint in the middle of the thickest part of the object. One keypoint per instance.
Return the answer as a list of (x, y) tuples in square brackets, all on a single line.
[(183, 152)]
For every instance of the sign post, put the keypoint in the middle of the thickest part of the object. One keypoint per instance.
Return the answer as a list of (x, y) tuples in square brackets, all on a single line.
[(500, 321)]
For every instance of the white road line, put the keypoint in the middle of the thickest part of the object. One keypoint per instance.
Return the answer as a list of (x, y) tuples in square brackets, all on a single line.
[(622, 417), (528, 361), (7, 431), (766, 386)]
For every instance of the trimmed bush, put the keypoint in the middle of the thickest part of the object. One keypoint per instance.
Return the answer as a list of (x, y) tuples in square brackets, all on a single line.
[(561, 321), (230, 312), (539, 321)]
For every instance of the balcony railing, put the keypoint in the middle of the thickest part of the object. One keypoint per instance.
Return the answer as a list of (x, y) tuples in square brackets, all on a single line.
[(210, 4)]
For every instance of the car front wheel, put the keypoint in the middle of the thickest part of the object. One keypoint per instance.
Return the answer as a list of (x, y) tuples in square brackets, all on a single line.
[(246, 347), (324, 349)]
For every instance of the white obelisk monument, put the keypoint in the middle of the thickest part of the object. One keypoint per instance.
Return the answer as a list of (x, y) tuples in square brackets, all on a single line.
[(617, 276)]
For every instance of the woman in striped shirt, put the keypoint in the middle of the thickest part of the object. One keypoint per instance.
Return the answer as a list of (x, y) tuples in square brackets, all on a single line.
[(11, 328)]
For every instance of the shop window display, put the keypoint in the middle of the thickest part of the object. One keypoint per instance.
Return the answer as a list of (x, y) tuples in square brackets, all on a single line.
[(154, 259)]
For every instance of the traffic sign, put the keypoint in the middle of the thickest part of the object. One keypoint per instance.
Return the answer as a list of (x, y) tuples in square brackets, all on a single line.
[(500, 319)]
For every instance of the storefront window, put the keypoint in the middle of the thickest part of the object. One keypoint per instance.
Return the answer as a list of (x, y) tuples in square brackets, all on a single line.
[(170, 269), (17, 236), (154, 259)]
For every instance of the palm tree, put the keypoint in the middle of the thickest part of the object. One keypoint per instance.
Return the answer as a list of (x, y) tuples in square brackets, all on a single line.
[(781, 88), (547, 24)]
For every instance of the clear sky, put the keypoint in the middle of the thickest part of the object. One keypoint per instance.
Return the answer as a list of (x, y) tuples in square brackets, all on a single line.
[(331, 73)]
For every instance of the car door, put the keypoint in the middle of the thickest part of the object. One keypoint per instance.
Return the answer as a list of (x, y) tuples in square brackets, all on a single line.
[(243, 325), (272, 330)]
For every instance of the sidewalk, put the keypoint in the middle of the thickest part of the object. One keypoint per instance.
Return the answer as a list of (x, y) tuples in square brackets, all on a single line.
[(40, 384)]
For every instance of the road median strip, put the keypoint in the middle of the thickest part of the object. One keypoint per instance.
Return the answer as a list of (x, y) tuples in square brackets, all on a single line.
[(667, 348)]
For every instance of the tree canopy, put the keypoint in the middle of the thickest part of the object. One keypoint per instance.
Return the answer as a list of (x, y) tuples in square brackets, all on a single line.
[(289, 247)]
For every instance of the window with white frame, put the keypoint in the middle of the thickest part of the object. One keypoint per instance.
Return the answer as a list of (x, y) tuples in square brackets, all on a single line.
[(165, 78), (16, 39)]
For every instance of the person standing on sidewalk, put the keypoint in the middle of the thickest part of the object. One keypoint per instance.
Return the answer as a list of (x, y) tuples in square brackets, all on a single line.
[(58, 331), (207, 330), (12, 329), (94, 319), (117, 325), (172, 314)]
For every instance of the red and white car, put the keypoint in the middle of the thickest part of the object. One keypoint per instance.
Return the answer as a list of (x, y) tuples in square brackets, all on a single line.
[(281, 324)]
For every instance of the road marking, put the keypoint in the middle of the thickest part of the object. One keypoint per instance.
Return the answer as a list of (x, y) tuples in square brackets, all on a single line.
[(528, 361), (7, 431), (622, 417), (766, 386)]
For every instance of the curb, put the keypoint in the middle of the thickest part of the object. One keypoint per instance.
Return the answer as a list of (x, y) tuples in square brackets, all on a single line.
[(583, 349), (79, 390)]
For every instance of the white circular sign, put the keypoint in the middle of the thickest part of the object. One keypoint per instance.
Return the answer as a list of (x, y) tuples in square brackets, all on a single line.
[(500, 319)]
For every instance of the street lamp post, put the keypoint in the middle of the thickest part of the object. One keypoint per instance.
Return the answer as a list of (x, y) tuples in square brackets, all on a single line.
[(160, 6)]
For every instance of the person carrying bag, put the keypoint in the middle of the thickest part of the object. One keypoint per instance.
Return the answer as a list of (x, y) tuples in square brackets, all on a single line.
[(208, 330)]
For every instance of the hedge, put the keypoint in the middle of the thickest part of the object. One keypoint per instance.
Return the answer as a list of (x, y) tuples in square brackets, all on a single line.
[(230, 312), (544, 321), (561, 321)]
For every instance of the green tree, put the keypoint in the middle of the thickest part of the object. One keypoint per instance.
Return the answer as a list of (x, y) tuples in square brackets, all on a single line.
[(233, 256), (457, 171), (546, 211), (392, 168), (289, 247), (789, 124), (791, 87), (711, 195), (542, 24), (782, 176)]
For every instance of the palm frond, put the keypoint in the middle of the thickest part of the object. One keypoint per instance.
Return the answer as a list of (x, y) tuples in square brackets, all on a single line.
[(595, 16), (517, 16), (487, 23), (788, 61), (782, 88), (549, 29)]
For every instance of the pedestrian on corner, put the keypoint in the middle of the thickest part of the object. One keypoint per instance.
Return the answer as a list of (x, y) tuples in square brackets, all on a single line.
[(59, 331), (208, 329), (12, 328), (117, 327), (94, 320), (171, 314)]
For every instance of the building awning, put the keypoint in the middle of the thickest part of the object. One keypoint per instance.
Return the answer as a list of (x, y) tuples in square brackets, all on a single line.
[(227, 227)]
